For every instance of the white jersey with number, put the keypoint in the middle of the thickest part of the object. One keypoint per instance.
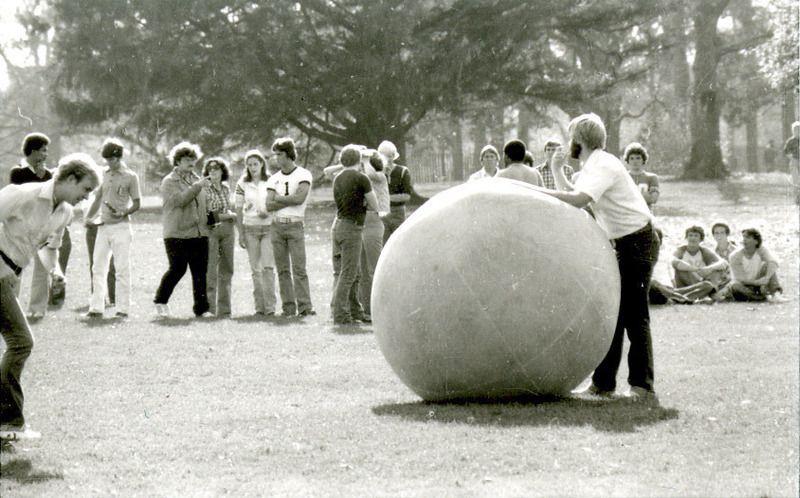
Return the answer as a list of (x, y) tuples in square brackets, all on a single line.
[(287, 184)]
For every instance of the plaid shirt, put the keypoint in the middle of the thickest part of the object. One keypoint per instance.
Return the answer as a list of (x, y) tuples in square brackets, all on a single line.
[(547, 174), (218, 199)]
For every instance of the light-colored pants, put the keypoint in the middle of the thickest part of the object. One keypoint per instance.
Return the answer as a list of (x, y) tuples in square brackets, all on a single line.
[(370, 252), (112, 238), (262, 265), (220, 268), (289, 246), (40, 288)]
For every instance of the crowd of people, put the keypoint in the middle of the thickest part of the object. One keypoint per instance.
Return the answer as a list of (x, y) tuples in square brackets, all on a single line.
[(202, 216)]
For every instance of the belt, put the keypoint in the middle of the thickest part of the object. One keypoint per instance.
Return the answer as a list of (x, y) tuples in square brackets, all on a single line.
[(644, 229), (17, 270), (282, 219)]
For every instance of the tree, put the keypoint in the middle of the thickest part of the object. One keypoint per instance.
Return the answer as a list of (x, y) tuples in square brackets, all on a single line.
[(705, 160)]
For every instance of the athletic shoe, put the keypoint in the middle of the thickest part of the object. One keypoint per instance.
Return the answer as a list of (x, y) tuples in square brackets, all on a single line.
[(777, 298), (121, 314), (15, 432), (94, 315), (638, 394), (307, 313), (364, 318), (206, 314), (162, 310), (593, 390)]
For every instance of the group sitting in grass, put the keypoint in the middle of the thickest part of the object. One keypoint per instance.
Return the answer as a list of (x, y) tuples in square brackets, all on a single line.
[(726, 272)]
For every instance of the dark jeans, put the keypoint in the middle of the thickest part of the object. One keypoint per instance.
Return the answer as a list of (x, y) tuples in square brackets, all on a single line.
[(637, 254), (91, 237), (182, 253), (19, 343), (393, 220), (346, 245)]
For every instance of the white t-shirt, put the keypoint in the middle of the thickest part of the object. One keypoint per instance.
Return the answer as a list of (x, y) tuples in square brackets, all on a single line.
[(284, 185), (617, 202), (251, 197)]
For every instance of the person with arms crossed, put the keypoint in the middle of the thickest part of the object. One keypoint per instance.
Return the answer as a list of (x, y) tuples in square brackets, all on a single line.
[(33, 217), (622, 211), (287, 197), (221, 237), (635, 156), (117, 199)]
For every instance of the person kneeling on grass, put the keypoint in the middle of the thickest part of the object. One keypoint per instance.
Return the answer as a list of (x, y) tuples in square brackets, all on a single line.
[(755, 271), (33, 217), (698, 271)]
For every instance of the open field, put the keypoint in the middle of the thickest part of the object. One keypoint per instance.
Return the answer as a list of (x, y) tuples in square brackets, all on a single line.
[(289, 407)]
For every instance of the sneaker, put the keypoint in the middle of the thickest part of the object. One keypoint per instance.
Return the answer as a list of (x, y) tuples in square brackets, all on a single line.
[(94, 315), (307, 313), (162, 310), (638, 394), (777, 298), (15, 432), (35, 316), (365, 318), (206, 314), (121, 314), (593, 390)]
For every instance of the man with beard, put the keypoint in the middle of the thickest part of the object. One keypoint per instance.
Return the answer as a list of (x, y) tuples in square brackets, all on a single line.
[(619, 207)]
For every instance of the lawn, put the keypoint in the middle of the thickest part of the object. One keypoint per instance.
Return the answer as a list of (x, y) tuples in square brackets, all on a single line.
[(245, 407)]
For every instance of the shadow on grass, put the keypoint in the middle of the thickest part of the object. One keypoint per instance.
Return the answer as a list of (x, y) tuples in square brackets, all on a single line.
[(174, 322), (350, 329), (609, 415), (21, 470)]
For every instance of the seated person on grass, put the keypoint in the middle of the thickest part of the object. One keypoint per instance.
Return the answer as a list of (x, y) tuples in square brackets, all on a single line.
[(754, 270), (698, 271)]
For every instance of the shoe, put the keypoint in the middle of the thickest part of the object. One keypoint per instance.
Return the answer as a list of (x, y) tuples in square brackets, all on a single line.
[(638, 394), (593, 390), (35, 315), (344, 322), (93, 315), (206, 314), (365, 318), (162, 310), (121, 314), (307, 313), (777, 298), (15, 432)]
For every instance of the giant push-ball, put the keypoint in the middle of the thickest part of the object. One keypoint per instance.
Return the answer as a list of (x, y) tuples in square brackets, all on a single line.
[(492, 289)]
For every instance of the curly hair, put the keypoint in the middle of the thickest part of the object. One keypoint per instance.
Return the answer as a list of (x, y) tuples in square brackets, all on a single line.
[(637, 149), (184, 149)]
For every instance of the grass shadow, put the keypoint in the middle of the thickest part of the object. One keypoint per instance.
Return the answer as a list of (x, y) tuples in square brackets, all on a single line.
[(22, 470), (350, 329), (173, 322), (616, 415)]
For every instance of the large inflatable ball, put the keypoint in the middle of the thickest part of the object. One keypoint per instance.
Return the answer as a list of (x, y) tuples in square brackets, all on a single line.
[(491, 290)]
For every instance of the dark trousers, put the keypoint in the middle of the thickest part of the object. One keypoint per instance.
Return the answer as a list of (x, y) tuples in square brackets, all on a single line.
[(19, 343), (91, 238), (637, 254), (180, 254)]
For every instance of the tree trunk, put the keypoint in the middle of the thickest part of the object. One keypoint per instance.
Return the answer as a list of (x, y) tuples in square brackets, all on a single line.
[(457, 173), (751, 128), (705, 160)]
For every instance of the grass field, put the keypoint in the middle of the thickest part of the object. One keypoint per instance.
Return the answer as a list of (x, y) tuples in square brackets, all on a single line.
[(245, 407)]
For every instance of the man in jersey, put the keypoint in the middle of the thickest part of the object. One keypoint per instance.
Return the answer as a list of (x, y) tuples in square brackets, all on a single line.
[(635, 156), (353, 194), (287, 197), (755, 270), (513, 155), (32, 169), (622, 212), (33, 217), (697, 266)]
